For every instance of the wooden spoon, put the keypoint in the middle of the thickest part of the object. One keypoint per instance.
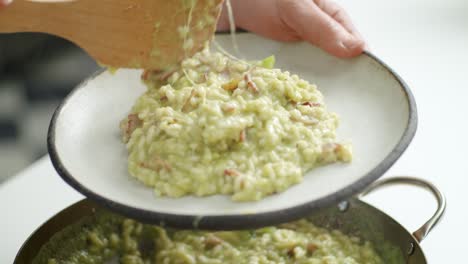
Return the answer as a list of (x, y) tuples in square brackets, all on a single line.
[(120, 33)]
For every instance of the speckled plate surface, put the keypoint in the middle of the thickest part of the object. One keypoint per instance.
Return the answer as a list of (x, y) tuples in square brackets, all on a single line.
[(376, 108)]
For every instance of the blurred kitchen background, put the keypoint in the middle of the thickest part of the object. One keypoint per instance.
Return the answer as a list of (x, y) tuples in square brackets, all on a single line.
[(36, 72)]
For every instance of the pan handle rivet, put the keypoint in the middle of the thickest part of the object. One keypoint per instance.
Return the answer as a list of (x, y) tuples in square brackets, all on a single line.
[(343, 206), (411, 249)]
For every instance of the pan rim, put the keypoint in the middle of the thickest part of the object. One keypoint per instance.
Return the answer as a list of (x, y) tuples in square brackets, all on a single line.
[(87, 202)]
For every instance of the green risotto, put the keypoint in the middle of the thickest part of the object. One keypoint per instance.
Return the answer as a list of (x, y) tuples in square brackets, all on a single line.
[(111, 239), (218, 125)]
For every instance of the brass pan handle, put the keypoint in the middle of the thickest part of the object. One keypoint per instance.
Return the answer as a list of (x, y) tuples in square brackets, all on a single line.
[(421, 232)]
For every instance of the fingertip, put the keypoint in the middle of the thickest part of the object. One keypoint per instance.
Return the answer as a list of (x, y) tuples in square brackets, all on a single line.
[(356, 46), (350, 47)]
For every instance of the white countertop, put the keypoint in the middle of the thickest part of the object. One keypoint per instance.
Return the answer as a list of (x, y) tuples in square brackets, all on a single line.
[(426, 42)]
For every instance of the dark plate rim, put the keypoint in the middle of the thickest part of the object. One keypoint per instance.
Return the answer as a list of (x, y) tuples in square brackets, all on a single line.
[(241, 221)]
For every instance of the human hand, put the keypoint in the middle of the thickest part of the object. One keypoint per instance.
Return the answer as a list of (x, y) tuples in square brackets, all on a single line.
[(320, 22), (4, 3)]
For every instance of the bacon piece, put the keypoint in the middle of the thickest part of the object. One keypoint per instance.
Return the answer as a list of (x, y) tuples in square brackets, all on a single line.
[(311, 248), (311, 104), (128, 125), (250, 84), (331, 147), (163, 164), (231, 172), (133, 123), (145, 75), (242, 135), (165, 75)]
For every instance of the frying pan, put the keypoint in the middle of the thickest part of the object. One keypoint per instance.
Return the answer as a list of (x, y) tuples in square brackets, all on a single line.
[(353, 217)]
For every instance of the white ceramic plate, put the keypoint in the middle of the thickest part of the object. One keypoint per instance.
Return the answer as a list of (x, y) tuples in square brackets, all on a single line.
[(376, 108)]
